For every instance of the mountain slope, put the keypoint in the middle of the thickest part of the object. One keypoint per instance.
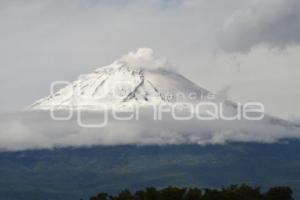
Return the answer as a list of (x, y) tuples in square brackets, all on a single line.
[(127, 80), (74, 173)]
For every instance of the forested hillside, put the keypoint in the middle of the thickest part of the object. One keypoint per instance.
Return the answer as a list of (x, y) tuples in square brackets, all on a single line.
[(74, 173)]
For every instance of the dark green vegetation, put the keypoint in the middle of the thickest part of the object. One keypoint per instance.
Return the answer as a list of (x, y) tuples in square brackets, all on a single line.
[(68, 174), (234, 192)]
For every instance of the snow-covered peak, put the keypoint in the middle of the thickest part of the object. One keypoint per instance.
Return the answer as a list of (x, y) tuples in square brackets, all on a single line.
[(136, 78)]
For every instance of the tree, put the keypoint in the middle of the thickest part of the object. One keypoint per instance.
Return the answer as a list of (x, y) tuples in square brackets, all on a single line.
[(245, 192), (125, 195), (100, 196), (279, 193), (151, 194), (193, 194), (139, 195), (172, 193)]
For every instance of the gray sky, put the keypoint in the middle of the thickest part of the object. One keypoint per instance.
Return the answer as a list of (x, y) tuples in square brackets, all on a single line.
[(250, 47)]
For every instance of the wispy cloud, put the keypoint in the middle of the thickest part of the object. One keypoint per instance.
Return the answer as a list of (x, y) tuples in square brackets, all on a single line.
[(275, 23)]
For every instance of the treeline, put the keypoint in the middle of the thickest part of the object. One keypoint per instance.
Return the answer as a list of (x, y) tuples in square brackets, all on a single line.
[(234, 192)]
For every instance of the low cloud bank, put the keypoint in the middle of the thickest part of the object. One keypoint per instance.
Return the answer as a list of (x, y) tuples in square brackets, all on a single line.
[(36, 130), (275, 23)]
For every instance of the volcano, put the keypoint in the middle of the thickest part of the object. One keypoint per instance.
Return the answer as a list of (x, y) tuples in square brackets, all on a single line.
[(136, 78), (139, 79), (44, 158)]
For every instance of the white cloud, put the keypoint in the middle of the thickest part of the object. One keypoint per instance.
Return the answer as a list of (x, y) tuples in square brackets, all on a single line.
[(144, 57), (37, 130), (275, 23)]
